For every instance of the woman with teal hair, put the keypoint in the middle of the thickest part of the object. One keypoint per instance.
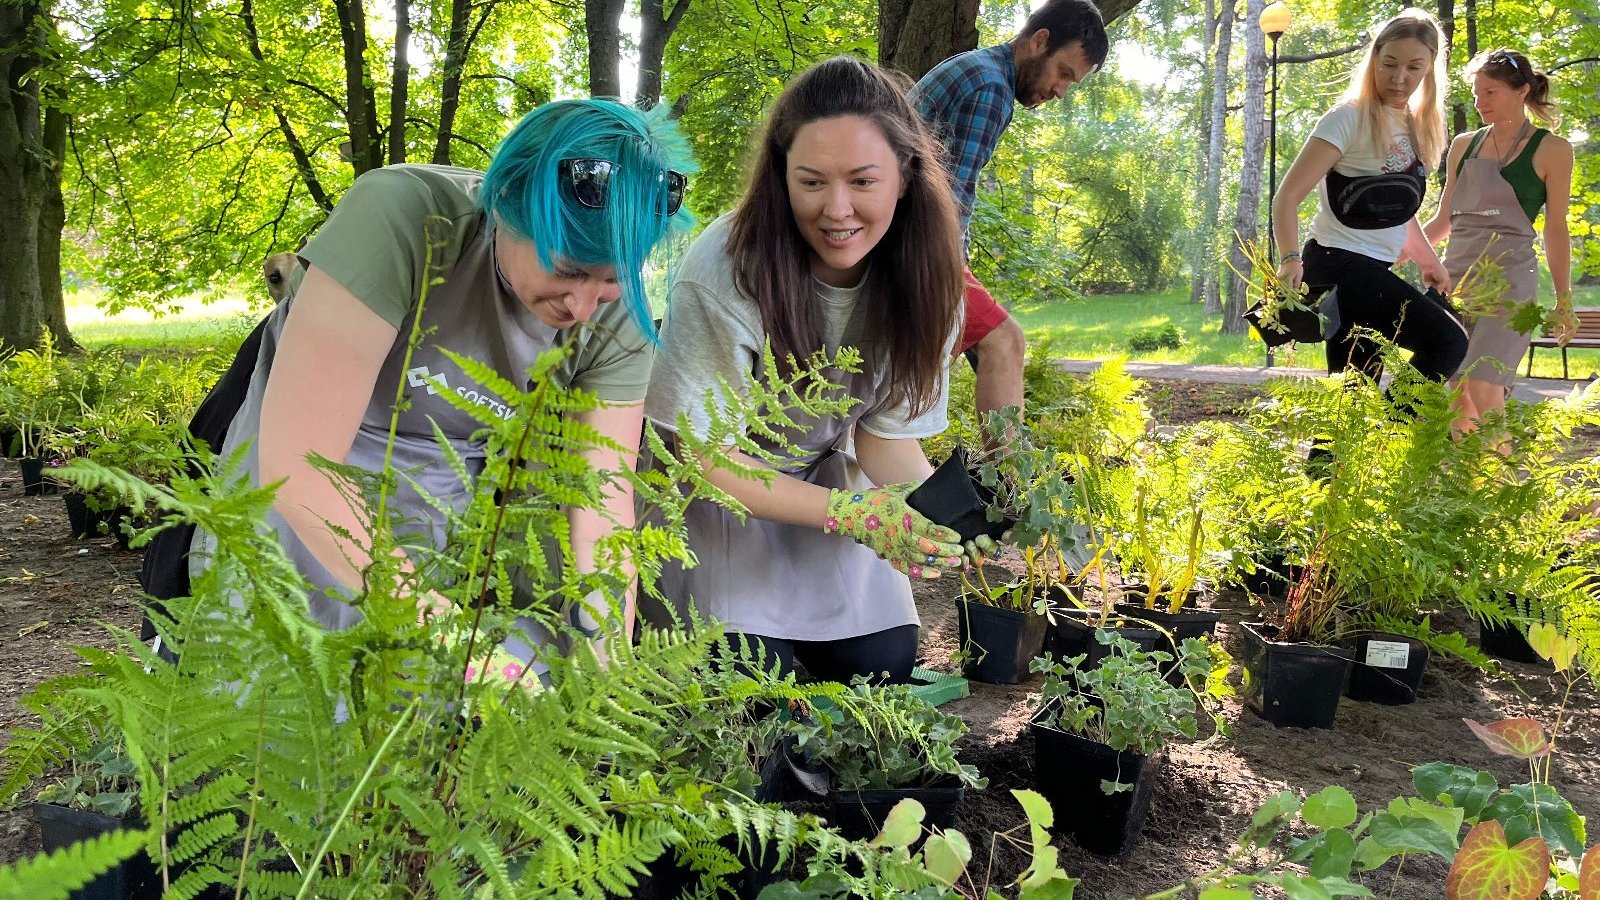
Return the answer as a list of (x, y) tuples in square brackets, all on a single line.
[(543, 249)]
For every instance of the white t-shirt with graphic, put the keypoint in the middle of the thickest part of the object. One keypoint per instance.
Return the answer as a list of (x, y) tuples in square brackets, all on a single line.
[(1345, 127)]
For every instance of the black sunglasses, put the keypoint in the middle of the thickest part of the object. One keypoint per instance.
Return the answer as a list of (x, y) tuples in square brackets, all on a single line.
[(591, 177), (1503, 56)]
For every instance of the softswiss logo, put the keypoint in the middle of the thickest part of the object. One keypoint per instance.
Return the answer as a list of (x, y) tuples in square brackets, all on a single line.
[(421, 377)]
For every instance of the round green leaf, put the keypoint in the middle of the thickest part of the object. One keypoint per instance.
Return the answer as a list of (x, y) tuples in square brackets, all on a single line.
[(1331, 807), (903, 825)]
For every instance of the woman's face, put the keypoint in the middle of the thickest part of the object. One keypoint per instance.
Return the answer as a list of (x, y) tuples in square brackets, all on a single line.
[(1400, 68), (560, 299), (1495, 100), (844, 182)]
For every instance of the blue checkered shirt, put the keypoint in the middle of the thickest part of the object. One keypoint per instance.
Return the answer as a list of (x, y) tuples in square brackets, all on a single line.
[(969, 99)]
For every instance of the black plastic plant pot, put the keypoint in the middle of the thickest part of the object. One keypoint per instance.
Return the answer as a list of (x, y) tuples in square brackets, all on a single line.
[(134, 879), (1185, 623), (1508, 640), (1272, 577), (10, 443), (999, 643), (1386, 668), (860, 815), (1068, 770), (953, 497), (34, 482), (84, 522), (114, 520), (1072, 634), (1291, 685)]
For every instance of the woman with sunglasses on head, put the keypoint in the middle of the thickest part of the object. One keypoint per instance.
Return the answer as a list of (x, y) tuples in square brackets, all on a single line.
[(543, 249), (1368, 158), (1497, 180), (846, 236)]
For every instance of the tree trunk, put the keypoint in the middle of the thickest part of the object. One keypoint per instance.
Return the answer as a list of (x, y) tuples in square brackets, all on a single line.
[(400, 82), (602, 22), (1216, 148), (455, 59), (916, 35), (1247, 217), (1458, 111), (31, 141), (655, 29), (1197, 242), (361, 107), (1472, 28)]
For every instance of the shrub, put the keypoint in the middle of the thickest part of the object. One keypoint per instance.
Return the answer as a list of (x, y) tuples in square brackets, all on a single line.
[(1149, 340)]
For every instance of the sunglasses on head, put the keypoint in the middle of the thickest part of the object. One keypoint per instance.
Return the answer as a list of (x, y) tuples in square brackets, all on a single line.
[(590, 179), (1501, 56)]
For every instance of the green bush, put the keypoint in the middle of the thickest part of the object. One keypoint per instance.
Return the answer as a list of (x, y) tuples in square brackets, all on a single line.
[(1149, 340)]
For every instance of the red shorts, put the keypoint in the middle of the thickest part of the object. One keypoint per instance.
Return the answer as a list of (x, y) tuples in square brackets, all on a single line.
[(983, 314)]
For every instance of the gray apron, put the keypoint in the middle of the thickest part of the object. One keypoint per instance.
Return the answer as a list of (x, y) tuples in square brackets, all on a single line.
[(793, 581), (1485, 214), (468, 314)]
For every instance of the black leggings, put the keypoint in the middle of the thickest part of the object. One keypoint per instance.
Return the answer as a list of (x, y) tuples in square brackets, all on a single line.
[(1371, 295), (887, 656)]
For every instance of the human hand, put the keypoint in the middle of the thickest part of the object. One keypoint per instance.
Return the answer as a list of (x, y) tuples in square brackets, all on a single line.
[(1434, 276), (1291, 272), (1565, 327), (879, 519)]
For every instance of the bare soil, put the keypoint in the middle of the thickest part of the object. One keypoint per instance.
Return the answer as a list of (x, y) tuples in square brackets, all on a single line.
[(55, 593)]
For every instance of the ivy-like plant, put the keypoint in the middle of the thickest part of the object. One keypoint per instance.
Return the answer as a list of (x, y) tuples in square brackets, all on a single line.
[(883, 737)]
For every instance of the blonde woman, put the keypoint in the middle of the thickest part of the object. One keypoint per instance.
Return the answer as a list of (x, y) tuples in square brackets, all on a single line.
[(1368, 158), (1497, 180)]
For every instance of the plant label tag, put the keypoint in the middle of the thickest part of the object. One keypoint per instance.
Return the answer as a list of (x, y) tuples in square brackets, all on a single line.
[(1388, 654)]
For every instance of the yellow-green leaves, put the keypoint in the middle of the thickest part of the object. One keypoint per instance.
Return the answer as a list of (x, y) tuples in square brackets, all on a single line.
[(1487, 868)]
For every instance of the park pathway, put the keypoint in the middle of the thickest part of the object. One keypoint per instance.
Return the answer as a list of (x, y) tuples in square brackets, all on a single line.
[(1526, 389)]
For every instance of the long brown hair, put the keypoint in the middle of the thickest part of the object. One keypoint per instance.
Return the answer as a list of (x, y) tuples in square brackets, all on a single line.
[(1515, 70), (1427, 105), (914, 277)]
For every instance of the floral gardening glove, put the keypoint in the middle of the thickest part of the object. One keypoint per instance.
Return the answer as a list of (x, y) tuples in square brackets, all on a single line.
[(983, 548), (497, 666), (879, 519), (1565, 321)]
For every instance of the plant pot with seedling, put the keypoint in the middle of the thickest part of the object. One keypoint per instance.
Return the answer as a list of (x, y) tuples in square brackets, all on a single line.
[(1001, 626), (99, 795), (1100, 734), (881, 745)]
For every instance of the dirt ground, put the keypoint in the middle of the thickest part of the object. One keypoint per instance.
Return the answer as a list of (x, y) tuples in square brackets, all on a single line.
[(55, 593)]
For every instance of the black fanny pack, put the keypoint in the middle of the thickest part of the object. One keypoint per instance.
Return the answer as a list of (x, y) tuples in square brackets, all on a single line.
[(1367, 202)]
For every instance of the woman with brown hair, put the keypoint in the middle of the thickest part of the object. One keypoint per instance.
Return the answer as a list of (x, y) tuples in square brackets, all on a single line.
[(1368, 158), (846, 236), (1496, 181)]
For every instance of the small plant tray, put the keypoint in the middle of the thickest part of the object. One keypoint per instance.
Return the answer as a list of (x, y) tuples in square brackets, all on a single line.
[(938, 688)]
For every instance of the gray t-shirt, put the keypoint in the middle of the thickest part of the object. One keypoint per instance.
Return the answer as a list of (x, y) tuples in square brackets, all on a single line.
[(717, 330)]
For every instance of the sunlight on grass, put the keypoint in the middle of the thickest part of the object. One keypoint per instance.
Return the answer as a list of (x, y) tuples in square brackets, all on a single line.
[(191, 325), (1101, 327)]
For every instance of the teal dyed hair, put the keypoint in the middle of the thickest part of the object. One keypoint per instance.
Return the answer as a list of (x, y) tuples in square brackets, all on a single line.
[(523, 191)]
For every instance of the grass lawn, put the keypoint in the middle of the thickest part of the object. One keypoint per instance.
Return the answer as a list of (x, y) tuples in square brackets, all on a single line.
[(192, 326), (1092, 328), (1100, 327)]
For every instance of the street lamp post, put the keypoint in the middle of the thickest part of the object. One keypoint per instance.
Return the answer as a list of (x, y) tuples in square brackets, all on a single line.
[(1274, 21)]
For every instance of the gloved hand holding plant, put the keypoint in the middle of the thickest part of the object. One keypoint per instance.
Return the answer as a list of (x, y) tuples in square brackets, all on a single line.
[(879, 519)]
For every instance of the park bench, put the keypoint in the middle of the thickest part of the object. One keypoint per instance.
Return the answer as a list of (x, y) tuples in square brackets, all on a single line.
[(1588, 336)]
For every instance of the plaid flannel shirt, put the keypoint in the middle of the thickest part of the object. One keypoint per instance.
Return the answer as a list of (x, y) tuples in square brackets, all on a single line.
[(968, 100)]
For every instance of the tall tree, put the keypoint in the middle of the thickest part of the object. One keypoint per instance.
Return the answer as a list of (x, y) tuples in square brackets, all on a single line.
[(916, 35), (602, 23), (656, 25), (32, 145), (1216, 144), (1247, 216)]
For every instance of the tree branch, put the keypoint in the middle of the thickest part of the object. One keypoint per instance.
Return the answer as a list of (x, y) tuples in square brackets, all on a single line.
[(1330, 54), (1572, 62)]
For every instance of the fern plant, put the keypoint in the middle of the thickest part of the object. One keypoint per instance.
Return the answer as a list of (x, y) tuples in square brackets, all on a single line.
[(278, 759)]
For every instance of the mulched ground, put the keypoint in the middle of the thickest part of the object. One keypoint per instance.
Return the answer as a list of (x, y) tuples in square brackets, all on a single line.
[(55, 592)]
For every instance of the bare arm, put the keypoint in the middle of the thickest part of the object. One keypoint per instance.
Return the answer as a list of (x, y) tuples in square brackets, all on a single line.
[(787, 499), (891, 460), (1316, 158), (1001, 356), (327, 364), (623, 424), (1558, 193)]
